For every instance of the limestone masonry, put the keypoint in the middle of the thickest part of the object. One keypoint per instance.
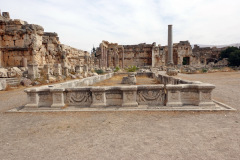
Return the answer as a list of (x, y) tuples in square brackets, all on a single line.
[(113, 55), (22, 44)]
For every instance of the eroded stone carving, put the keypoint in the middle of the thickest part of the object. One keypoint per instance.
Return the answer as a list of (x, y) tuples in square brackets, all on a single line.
[(150, 95), (79, 97)]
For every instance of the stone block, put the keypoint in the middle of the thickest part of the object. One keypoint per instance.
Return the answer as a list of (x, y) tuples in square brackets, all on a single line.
[(78, 97), (174, 95), (19, 43), (33, 98), (98, 97), (3, 73), (205, 95), (33, 71), (151, 95), (129, 96), (130, 79), (58, 98), (3, 84)]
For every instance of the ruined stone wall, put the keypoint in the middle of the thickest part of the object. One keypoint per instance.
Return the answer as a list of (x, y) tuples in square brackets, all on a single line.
[(138, 55), (19, 40), (153, 55), (181, 50), (206, 55), (111, 55)]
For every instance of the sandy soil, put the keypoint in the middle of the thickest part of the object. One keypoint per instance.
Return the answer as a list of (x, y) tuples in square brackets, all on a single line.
[(125, 135)]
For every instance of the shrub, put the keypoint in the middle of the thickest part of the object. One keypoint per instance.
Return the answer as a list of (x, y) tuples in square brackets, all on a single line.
[(116, 69), (234, 58), (226, 53), (132, 69), (204, 70), (99, 71)]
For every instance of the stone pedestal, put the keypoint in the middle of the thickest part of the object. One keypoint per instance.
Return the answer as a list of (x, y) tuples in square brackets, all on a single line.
[(205, 95), (33, 98), (57, 70), (33, 71), (174, 95), (129, 96), (58, 98), (98, 97)]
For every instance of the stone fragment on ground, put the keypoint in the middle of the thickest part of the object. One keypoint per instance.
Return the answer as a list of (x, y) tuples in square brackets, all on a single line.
[(26, 82)]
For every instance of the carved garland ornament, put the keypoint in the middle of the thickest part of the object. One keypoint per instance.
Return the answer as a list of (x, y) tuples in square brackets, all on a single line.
[(78, 97), (149, 95)]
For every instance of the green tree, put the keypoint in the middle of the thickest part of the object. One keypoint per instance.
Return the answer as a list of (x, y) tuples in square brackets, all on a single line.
[(226, 53), (234, 58)]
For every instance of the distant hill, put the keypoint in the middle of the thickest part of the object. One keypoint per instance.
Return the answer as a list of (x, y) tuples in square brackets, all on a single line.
[(220, 46)]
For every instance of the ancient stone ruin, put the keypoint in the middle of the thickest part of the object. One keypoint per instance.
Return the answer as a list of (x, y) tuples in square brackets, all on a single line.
[(31, 50), (130, 79), (29, 53)]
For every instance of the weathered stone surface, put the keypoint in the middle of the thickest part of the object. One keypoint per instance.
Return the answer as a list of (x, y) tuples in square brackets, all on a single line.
[(172, 72), (3, 84), (130, 79), (3, 73), (95, 74), (26, 82), (25, 44)]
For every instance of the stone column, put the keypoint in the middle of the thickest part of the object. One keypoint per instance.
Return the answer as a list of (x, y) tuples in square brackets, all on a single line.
[(174, 95), (33, 98), (129, 96), (116, 60), (58, 98), (153, 54), (24, 62), (98, 97), (123, 58), (170, 46), (32, 71)]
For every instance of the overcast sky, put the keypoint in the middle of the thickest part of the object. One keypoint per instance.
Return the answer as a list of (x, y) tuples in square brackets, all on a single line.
[(84, 23)]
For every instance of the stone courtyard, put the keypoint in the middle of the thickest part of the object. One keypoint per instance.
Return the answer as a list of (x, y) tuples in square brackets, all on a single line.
[(124, 135)]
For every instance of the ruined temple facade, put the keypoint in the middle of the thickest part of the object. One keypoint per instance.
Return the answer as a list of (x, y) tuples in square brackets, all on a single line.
[(111, 55), (22, 44)]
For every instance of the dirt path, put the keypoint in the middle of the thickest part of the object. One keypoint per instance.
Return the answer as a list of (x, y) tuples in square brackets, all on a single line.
[(125, 135)]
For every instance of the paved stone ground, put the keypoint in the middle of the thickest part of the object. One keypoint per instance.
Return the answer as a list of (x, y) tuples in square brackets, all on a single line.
[(124, 135)]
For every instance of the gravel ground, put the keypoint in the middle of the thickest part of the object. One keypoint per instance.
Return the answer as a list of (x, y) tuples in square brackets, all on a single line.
[(125, 135)]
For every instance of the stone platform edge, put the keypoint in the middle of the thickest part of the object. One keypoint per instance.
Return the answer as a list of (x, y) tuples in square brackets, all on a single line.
[(218, 107)]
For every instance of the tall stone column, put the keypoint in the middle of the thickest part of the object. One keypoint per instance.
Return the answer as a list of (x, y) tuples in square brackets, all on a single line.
[(123, 58), (170, 46)]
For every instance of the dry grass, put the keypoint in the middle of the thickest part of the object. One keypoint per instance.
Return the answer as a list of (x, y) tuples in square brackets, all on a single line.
[(116, 80)]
